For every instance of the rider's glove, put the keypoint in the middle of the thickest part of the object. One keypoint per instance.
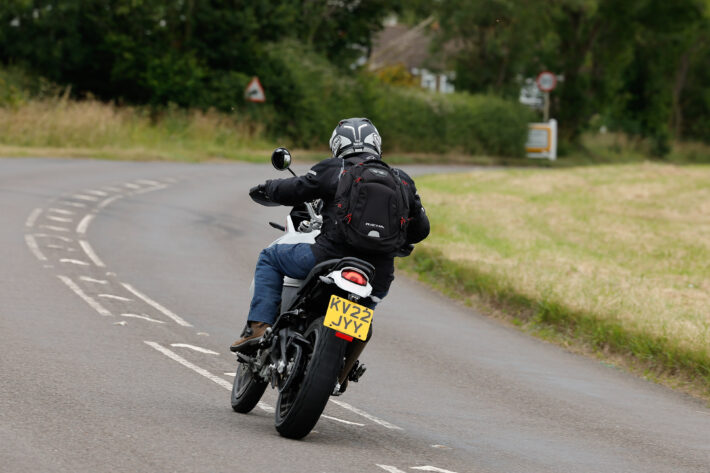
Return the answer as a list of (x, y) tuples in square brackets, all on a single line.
[(259, 192)]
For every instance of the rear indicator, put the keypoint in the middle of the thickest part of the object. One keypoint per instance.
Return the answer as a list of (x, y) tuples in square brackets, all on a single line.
[(354, 276)]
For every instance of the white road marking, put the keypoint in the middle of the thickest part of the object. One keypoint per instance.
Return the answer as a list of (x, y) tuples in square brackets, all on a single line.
[(90, 198), (54, 228), (95, 192), (170, 179), (91, 254), (116, 298), (203, 334), (47, 235), (108, 201), (442, 447), (34, 248), (263, 406), (193, 347), (112, 189), (149, 189), (61, 211), (130, 185), (97, 281), (74, 261), (59, 219), (155, 305), (390, 469), (342, 421), (32, 218), (230, 374), (89, 300), (431, 468), (366, 415), (149, 182), (122, 322), (84, 224), (73, 204), (143, 317)]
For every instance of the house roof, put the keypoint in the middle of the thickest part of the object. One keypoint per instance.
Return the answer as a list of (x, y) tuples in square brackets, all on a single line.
[(401, 44)]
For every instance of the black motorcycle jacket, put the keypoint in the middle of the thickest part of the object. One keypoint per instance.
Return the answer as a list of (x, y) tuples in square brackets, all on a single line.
[(321, 182)]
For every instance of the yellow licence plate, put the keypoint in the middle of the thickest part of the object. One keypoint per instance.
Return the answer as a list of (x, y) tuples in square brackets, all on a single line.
[(348, 317)]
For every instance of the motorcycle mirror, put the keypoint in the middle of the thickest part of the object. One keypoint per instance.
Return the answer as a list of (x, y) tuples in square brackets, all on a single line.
[(281, 159)]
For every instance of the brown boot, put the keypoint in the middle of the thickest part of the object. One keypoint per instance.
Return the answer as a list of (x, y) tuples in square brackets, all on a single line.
[(251, 336)]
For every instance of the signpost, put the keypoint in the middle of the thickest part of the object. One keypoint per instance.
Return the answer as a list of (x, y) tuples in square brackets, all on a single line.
[(542, 140), (546, 82), (254, 91)]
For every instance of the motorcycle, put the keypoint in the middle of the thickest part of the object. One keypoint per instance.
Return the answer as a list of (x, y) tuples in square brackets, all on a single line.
[(303, 353)]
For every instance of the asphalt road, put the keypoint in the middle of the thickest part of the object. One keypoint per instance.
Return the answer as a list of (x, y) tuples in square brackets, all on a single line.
[(122, 285)]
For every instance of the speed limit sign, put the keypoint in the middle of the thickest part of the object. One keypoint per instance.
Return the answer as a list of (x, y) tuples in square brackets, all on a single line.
[(546, 81)]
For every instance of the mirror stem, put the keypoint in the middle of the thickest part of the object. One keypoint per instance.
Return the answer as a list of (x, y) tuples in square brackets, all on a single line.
[(291, 171)]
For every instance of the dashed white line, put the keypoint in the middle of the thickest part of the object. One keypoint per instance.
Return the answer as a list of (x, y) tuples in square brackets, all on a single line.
[(431, 468), (74, 261), (343, 421), (149, 189), (155, 305), (130, 185), (89, 279), (59, 219), (54, 228), (90, 198), (149, 182), (108, 201), (59, 237), (95, 192), (91, 254), (89, 300), (366, 415), (84, 224), (116, 298), (34, 248), (112, 189), (61, 211), (122, 322), (143, 317), (390, 469), (73, 204), (193, 347), (32, 218)]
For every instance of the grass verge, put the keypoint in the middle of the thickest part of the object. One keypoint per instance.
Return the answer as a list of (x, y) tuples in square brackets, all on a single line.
[(609, 260)]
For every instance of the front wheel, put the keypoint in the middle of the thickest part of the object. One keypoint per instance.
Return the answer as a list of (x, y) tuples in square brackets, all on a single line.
[(246, 390), (300, 405)]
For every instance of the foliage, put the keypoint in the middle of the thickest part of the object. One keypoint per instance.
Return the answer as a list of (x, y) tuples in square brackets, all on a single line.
[(641, 65)]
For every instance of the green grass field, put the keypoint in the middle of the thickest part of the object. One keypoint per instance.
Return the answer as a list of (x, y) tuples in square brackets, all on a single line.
[(617, 257)]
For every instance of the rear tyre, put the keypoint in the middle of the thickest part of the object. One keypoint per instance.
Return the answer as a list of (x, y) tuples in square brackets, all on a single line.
[(300, 405), (246, 390)]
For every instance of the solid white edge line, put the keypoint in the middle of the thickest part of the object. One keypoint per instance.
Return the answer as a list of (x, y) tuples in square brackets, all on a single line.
[(179, 320), (91, 254), (84, 224), (366, 415), (195, 348), (94, 305), (34, 248), (32, 218)]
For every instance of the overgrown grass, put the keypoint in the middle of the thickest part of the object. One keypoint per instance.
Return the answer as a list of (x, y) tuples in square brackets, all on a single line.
[(613, 256), (92, 128)]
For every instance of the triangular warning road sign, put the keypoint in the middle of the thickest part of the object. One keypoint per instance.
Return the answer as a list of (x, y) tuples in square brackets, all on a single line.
[(254, 91)]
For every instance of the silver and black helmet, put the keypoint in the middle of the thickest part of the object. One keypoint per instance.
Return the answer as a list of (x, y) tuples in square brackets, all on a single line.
[(355, 135)]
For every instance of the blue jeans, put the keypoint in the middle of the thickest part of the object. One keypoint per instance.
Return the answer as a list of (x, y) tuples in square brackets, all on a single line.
[(275, 262)]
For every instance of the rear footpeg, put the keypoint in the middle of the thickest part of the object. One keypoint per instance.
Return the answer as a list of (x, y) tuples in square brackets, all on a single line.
[(357, 371)]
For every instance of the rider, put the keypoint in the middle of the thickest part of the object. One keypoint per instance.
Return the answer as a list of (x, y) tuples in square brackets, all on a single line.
[(355, 138)]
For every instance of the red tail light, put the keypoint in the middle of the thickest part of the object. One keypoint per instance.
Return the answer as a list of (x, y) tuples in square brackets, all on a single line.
[(354, 276)]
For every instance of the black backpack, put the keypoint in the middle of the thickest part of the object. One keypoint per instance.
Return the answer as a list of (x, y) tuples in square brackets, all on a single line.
[(372, 207)]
